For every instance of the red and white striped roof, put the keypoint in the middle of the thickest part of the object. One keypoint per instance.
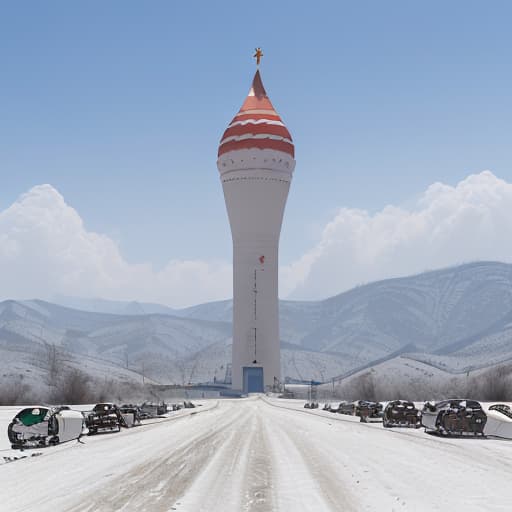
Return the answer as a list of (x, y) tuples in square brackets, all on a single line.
[(257, 125)]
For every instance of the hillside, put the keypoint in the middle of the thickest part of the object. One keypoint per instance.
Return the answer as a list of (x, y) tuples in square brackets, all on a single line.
[(453, 319), (459, 317)]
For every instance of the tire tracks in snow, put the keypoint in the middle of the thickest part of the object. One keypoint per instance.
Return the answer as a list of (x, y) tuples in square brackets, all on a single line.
[(239, 477), (314, 487), (259, 479), (451, 445), (157, 485), (49, 451), (382, 466)]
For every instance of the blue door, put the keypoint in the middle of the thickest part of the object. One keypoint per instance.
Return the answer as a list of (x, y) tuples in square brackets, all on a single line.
[(253, 379)]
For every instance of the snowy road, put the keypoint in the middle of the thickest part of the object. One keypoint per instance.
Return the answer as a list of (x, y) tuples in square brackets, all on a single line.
[(262, 455)]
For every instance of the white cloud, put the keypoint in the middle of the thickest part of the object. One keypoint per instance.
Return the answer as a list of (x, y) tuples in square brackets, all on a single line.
[(45, 249), (447, 225)]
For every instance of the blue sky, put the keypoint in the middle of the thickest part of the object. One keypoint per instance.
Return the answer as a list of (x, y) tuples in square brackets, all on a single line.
[(120, 105)]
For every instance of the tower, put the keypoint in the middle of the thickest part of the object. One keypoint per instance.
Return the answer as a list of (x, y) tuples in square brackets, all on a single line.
[(256, 163)]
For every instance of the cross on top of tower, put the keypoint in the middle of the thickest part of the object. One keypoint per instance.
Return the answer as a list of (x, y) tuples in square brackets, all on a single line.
[(257, 55)]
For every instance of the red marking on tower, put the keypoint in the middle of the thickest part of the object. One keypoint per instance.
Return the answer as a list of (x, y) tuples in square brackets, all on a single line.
[(262, 259)]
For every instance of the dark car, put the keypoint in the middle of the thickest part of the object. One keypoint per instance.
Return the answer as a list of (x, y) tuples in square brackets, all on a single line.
[(401, 413), (347, 408), (366, 410), (105, 417), (369, 411)]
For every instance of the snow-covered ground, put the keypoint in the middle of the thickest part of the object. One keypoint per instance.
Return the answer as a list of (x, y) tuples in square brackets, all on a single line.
[(260, 454)]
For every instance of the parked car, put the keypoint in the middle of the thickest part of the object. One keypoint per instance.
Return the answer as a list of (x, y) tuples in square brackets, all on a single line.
[(152, 410), (335, 408), (131, 414), (499, 421), (105, 417), (369, 412), (366, 410), (45, 426), (456, 417), (401, 413), (348, 408), (502, 409)]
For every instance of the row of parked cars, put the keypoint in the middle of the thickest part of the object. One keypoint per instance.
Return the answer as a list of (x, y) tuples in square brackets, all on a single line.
[(455, 417), (35, 427), (366, 411)]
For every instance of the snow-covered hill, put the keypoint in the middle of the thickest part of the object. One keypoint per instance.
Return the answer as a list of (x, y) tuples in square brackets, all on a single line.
[(454, 319), (457, 318), (113, 307)]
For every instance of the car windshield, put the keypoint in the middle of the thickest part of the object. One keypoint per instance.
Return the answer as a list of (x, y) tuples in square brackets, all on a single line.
[(102, 407), (502, 408), (32, 416)]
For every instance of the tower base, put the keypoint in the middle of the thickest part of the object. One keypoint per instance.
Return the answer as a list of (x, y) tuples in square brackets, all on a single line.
[(253, 379)]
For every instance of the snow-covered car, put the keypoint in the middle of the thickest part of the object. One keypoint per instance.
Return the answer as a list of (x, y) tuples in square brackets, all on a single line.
[(311, 405), (369, 411), (152, 410), (131, 414), (456, 417), (105, 417), (366, 410), (499, 421), (336, 408), (504, 409), (348, 408), (331, 407), (401, 413), (45, 426)]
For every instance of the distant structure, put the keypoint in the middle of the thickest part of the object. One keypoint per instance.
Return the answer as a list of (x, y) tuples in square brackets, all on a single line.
[(256, 163)]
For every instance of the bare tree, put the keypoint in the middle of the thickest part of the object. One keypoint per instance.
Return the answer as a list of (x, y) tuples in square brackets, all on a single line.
[(494, 384), (73, 387), (52, 363), (360, 388), (15, 392)]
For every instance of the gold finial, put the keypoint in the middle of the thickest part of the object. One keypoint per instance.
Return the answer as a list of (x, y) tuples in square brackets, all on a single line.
[(258, 55)]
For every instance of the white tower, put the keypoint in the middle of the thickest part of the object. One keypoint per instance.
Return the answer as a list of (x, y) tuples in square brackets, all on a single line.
[(256, 163)]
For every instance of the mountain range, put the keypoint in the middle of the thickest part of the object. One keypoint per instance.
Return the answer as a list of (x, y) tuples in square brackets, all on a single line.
[(455, 319)]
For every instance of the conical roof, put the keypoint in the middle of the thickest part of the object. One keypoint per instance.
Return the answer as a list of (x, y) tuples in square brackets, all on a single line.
[(257, 125)]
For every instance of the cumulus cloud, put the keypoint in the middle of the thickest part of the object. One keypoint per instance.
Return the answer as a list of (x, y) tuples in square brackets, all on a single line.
[(45, 249), (446, 225)]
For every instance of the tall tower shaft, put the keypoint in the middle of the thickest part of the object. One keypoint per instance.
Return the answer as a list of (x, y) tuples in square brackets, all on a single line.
[(256, 163)]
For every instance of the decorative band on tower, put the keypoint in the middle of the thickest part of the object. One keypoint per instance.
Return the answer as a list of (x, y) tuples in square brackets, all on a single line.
[(257, 125)]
